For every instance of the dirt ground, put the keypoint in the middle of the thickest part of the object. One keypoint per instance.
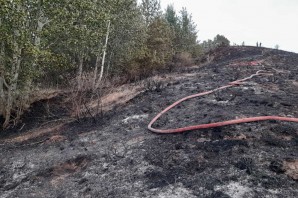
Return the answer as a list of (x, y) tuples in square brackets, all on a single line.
[(119, 157)]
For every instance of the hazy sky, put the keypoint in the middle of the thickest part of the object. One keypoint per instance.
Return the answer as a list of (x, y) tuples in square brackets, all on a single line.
[(268, 21)]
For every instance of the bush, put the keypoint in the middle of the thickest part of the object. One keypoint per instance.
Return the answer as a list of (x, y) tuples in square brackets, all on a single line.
[(183, 59)]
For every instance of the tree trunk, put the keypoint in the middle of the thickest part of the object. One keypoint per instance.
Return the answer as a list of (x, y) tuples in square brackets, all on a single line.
[(109, 64), (95, 71), (80, 72), (104, 54), (13, 84), (2, 80), (41, 22), (2, 96)]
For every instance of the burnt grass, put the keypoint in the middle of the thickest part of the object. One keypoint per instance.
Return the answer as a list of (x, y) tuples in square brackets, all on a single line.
[(119, 157)]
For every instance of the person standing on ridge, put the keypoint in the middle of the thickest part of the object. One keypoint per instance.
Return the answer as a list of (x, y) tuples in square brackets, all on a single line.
[(260, 44), (257, 44)]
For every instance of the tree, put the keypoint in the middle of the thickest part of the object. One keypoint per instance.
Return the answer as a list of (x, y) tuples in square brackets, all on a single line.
[(220, 40), (171, 17), (150, 9), (127, 41), (82, 27), (28, 32), (18, 56), (41, 40), (159, 41), (276, 46), (185, 33), (208, 45), (120, 26), (173, 20)]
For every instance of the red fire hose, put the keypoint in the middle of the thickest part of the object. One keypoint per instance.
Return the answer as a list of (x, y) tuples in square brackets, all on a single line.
[(216, 124)]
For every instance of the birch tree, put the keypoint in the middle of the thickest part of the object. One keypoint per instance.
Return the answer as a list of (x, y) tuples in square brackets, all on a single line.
[(120, 30), (127, 41), (22, 25), (15, 46), (42, 38), (104, 51)]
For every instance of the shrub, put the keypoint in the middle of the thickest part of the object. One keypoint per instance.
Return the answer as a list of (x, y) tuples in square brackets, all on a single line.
[(183, 59)]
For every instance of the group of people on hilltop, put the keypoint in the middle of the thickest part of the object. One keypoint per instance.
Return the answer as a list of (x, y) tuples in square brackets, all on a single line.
[(259, 44)]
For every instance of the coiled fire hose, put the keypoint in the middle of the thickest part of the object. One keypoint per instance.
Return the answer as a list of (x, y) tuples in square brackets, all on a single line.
[(216, 124)]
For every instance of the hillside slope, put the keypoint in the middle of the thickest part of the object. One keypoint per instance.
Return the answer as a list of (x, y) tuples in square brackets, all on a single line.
[(120, 158)]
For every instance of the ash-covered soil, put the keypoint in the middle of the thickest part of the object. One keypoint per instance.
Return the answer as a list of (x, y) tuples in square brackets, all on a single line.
[(119, 157)]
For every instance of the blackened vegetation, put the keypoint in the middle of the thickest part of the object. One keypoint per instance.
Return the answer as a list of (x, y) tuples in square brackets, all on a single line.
[(246, 163), (121, 158)]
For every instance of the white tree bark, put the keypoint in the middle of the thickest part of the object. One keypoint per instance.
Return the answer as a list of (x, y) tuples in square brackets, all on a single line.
[(2, 80), (96, 70), (104, 54), (16, 64), (2, 96), (41, 22)]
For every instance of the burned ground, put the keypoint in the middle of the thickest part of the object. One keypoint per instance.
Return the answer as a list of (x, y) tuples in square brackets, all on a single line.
[(119, 157)]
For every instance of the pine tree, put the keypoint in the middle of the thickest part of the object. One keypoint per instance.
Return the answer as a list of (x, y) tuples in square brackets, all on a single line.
[(150, 9)]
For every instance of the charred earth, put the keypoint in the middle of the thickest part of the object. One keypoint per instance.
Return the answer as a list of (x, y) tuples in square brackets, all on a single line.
[(119, 157)]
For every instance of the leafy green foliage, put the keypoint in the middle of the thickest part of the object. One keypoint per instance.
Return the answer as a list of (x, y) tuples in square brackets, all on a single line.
[(221, 40), (150, 10), (43, 42), (159, 41), (218, 41), (185, 33)]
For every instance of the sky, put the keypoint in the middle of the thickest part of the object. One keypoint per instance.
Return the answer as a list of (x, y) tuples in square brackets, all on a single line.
[(271, 22)]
